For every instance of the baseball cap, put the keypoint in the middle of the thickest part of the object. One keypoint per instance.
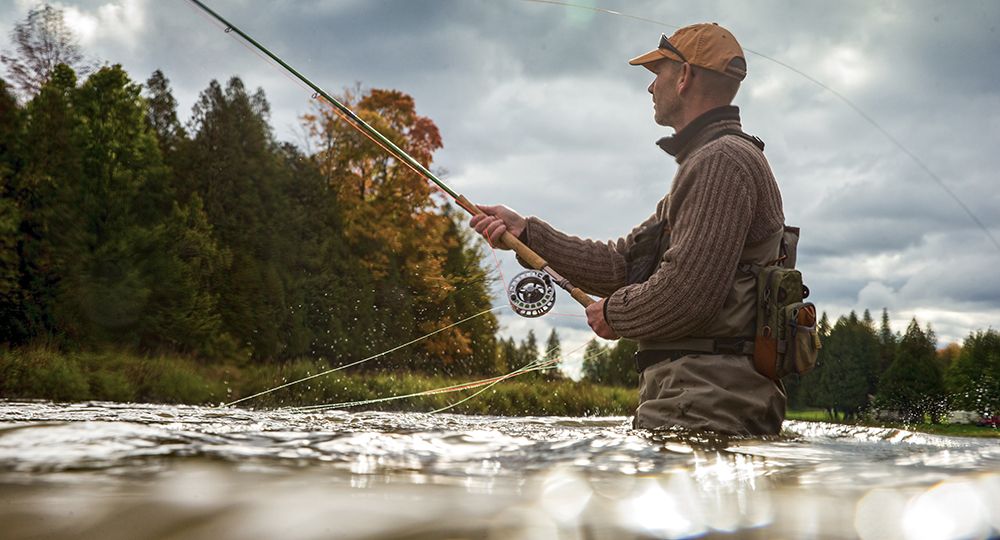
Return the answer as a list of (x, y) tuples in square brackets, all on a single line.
[(706, 45)]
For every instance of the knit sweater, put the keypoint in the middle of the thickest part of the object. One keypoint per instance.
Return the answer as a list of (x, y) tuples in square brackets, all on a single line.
[(723, 197)]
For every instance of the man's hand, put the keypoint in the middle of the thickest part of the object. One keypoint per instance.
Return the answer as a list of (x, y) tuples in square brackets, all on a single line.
[(595, 318), (495, 221)]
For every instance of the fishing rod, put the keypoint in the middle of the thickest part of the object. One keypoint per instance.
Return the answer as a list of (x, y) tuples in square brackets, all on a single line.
[(530, 293)]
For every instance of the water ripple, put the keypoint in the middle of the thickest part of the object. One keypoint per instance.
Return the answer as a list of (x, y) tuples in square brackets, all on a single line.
[(504, 474)]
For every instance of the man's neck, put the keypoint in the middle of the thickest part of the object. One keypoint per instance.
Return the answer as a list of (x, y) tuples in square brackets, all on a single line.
[(693, 111)]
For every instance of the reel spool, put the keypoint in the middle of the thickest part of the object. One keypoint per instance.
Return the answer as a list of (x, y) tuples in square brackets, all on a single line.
[(531, 293)]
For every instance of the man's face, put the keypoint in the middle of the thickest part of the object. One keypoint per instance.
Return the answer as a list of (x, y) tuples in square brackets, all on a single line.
[(666, 101)]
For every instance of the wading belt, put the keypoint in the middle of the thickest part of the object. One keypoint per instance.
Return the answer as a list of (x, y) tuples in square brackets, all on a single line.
[(647, 357)]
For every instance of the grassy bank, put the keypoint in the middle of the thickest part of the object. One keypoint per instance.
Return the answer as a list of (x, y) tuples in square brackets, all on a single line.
[(951, 430), (41, 373)]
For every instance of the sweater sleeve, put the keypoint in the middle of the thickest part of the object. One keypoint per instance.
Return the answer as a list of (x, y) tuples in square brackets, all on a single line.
[(710, 213), (598, 268)]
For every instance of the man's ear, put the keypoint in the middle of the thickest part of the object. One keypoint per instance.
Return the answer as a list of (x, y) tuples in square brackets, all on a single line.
[(684, 82)]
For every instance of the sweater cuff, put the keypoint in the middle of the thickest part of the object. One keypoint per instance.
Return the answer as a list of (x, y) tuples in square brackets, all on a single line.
[(604, 308), (615, 305), (525, 237)]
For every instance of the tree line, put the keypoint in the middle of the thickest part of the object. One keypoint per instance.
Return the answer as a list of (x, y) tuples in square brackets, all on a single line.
[(866, 369), (123, 227)]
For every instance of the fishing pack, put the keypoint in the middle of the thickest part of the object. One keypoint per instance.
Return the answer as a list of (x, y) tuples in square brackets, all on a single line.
[(786, 339)]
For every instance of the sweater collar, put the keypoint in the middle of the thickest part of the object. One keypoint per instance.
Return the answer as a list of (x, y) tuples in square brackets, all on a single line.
[(677, 144)]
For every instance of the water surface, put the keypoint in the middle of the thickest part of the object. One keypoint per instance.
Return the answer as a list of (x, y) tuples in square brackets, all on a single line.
[(105, 470)]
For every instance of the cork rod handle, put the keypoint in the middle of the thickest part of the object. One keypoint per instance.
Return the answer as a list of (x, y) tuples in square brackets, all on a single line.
[(529, 256)]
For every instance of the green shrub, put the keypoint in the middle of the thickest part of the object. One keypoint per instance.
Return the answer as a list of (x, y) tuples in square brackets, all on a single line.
[(42, 374)]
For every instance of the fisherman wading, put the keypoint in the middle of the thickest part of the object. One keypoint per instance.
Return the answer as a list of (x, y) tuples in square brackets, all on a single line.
[(683, 283)]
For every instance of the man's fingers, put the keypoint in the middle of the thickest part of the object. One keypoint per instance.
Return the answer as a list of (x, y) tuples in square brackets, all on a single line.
[(495, 231), (482, 223)]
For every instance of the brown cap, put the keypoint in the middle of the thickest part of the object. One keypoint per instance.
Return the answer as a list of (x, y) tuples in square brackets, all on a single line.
[(706, 45)]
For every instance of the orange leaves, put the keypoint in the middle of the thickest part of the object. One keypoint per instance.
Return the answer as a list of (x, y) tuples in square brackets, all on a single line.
[(395, 224)]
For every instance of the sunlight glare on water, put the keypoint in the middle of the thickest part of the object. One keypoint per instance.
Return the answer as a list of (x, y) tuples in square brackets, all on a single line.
[(104, 470)]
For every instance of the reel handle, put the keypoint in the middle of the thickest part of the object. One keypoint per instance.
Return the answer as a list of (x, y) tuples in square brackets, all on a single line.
[(529, 256)]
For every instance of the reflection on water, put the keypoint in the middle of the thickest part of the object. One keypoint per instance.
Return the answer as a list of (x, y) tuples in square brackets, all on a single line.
[(101, 470)]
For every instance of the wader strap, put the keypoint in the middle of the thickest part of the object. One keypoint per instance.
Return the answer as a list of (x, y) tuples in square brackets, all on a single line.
[(655, 352)]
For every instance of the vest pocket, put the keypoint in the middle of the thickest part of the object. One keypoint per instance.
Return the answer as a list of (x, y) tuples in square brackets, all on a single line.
[(802, 343)]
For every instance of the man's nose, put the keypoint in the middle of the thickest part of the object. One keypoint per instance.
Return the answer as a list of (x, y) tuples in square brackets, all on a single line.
[(650, 87)]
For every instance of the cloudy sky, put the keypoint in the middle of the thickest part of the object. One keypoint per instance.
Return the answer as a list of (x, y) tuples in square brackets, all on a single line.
[(539, 110)]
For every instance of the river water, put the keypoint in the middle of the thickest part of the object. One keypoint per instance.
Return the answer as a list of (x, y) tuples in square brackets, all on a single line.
[(109, 471)]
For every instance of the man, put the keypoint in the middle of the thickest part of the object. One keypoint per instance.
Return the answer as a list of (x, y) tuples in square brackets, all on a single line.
[(681, 282)]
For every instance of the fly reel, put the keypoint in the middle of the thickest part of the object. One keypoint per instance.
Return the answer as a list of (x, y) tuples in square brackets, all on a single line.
[(531, 293)]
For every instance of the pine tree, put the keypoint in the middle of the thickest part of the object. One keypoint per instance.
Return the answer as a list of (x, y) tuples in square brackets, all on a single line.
[(824, 326), (974, 378), (553, 352), (913, 384), (237, 169), (594, 365), (162, 115), (867, 320), (12, 324), (44, 189), (850, 357), (620, 362), (528, 350), (887, 343), (509, 355)]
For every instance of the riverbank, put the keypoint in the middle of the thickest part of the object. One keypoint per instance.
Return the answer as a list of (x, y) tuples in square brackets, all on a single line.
[(951, 430), (40, 373)]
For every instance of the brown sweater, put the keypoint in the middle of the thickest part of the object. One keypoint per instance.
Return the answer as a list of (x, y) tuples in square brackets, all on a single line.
[(723, 196)]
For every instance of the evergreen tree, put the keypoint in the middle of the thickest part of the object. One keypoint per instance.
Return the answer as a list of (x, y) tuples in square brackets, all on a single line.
[(974, 378), (824, 326), (12, 324), (850, 357), (887, 343), (509, 355), (612, 366), (913, 384), (594, 365), (236, 168), (528, 350), (162, 115), (553, 352), (621, 364), (45, 189)]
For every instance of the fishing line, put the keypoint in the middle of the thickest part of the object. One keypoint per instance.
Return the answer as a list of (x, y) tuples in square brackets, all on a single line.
[(362, 361), (467, 398), (435, 391), (537, 365), (878, 127), (531, 366)]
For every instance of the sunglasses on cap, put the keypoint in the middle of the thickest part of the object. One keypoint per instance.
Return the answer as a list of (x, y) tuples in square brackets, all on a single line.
[(666, 45)]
